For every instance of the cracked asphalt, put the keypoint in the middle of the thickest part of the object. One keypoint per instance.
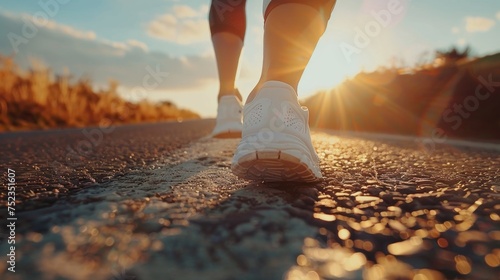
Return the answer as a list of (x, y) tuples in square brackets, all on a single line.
[(159, 201)]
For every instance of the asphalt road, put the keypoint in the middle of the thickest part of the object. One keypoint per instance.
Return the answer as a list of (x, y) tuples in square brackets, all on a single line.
[(51, 164), (158, 201)]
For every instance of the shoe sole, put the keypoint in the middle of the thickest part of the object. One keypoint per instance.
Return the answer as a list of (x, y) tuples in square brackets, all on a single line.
[(228, 135), (273, 166)]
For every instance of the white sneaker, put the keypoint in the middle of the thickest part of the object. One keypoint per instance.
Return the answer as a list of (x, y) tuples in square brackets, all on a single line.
[(276, 142), (228, 123)]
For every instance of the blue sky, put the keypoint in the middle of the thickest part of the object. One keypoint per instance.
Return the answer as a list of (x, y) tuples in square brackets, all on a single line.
[(125, 40)]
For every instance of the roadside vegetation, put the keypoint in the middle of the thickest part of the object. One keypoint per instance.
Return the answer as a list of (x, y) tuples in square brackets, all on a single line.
[(37, 99), (436, 95)]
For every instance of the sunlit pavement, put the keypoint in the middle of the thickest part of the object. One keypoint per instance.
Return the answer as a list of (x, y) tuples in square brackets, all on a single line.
[(388, 208)]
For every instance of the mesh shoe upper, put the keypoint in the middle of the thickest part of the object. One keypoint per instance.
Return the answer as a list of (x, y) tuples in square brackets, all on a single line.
[(229, 115), (275, 121)]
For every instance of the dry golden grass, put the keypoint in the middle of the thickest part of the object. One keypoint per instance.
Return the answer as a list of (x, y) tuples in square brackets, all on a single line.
[(34, 100)]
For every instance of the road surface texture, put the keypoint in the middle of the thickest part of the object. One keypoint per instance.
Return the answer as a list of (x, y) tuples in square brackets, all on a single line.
[(159, 201)]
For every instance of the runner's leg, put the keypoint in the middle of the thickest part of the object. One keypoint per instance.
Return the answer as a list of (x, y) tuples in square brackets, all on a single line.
[(292, 30), (227, 25)]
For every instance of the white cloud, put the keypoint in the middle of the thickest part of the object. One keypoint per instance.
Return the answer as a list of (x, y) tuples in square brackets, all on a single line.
[(138, 44), (478, 24), (461, 42), (29, 21), (116, 45), (498, 15), (455, 30), (164, 27), (204, 9), (128, 62), (90, 35), (183, 25), (183, 11)]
